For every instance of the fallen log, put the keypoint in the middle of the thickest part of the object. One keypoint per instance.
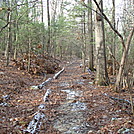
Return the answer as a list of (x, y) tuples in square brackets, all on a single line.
[(58, 74), (50, 79), (39, 116), (44, 83), (35, 124), (46, 96)]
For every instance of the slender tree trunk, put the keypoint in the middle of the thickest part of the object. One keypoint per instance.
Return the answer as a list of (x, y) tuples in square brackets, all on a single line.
[(42, 20), (16, 34), (8, 46), (107, 81), (53, 31), (90, 30), (122, 64), (29, 54), (49, 34), (16, 41), (114, 37), (84, 42)]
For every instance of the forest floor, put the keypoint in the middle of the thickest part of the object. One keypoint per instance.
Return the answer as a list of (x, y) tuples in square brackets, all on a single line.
[(75, 105)]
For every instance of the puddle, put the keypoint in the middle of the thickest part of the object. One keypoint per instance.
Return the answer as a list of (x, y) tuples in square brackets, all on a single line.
[(64, 84), (72, 118), (71, 124), (78, 106), (80, 82), (67, 90), (71, 94)]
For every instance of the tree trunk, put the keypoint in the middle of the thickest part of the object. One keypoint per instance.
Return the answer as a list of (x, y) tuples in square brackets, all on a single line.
[(122, 64), (114, 37), (29, 54), (42, 20), (90, 30), (49, 34), (84, 42), (16, 34), (101, 73), (8, 47), (54, 30)]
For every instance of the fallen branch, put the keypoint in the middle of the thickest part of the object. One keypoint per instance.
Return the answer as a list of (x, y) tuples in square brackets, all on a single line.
[(35, 124), (50, 79), (44, 83), (123, 101), (46, 96), (39, 116), (58, 74)]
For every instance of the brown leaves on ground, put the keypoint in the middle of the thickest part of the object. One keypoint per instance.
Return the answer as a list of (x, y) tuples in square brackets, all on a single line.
[(39, 64), (103, 115)]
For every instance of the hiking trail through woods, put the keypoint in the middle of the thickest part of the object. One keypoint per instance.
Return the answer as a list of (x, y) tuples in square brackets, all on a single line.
[(74, 106)]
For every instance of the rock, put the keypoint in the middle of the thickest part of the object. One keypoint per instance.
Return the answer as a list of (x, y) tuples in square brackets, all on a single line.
[(90, 132), (2, 73), (78, 106), (90, 82), (34, 87), (42, 106), (114, 119), (104, 116)]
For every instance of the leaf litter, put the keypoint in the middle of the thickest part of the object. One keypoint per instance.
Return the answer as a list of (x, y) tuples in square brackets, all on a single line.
[(75, 104)]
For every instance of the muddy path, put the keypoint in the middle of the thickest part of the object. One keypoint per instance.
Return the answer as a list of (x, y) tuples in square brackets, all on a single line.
[(75, 106), (82, 107), (72, 112)]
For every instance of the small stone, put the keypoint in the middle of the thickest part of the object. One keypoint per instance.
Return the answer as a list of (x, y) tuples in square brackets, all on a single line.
[(34, 87), (90, 132), (41, 106), (90, 82), (2, 73), (113, 119), (104, 116)]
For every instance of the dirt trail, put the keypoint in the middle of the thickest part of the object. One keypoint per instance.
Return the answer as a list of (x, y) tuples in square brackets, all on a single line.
[(75, 105), (72, 118), (83, 108)]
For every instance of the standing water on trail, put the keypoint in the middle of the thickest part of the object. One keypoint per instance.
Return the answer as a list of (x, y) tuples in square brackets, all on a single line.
[(71, 118)]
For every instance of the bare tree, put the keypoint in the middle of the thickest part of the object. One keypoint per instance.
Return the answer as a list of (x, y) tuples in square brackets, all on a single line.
[(101, 74), (90, 31), (123, 59), (8, 45), (125, 46), (49, 32)]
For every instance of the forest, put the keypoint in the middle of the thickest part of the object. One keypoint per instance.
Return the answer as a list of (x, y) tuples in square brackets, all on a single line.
[(67, 66)]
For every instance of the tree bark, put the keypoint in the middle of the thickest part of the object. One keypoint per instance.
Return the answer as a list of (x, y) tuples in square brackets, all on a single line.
[(84, 42), (42, 20), (48, 17), (90, 30), (8, 46), (101, 73), (123, 59), (114, 37)]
